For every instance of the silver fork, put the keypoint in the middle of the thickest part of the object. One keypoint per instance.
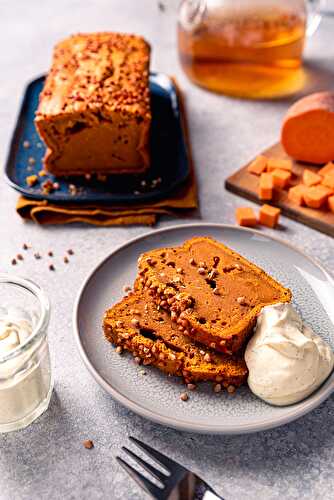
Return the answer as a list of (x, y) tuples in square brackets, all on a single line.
[(177, 483)]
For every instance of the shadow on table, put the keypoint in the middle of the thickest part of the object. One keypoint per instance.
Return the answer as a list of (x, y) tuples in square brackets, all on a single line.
[(281, 456)]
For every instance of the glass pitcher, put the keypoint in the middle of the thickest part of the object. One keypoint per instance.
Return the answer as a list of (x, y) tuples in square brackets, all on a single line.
[(246, 48)]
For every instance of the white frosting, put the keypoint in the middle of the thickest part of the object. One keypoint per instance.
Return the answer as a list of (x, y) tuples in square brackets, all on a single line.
[(286, 360)]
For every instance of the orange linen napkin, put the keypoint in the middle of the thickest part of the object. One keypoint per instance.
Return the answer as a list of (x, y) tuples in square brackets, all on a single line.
[(185, 198)]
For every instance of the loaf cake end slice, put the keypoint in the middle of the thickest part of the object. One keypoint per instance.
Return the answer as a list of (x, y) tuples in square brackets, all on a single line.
[(136, 324)]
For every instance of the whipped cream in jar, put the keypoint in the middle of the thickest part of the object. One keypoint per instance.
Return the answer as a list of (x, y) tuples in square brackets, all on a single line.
[(25, 370)]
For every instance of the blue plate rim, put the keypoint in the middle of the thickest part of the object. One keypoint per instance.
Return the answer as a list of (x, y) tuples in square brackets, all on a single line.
[(113, 199)]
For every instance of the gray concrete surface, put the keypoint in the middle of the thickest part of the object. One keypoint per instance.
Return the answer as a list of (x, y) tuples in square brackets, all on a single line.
[(47, 460)]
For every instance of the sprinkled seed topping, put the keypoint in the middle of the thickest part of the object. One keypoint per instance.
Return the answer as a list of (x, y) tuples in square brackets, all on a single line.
[(184, 396), (242, 301), (31, 180)]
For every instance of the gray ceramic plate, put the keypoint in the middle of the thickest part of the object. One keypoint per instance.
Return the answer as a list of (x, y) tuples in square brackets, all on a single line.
[(156, 396)]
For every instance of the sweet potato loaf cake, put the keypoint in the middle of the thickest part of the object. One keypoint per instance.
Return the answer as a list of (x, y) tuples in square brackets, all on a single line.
[(139, 326), (94, 111), (212, 293)]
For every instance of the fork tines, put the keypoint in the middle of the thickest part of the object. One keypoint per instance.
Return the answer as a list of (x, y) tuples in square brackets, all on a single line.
[(166, 480)]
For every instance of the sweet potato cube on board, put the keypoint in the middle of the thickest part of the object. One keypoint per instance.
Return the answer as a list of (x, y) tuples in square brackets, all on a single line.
[(316, 196), (327, 169), (281, 178), (279, 163), (266, 186), (328, 181), (258, 165), (296, 194), (331, 203), (311, 178), (246, 216), (269, 215)]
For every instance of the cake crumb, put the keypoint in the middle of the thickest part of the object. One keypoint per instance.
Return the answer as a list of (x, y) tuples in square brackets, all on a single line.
[(31, 180), (88, 444), (184, 396)]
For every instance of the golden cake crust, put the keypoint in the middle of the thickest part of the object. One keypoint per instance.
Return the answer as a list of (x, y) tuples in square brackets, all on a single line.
[(97, 87), (213, 294), (139, 326)]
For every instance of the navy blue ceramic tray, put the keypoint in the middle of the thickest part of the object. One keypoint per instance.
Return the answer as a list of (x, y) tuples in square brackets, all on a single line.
[(169, 156)]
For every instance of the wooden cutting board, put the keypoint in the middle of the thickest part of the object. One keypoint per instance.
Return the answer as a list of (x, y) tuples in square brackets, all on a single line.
[(245, 184)]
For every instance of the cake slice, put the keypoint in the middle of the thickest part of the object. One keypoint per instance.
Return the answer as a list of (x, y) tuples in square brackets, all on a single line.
[(94, 111), (212, 293), (136, 324)]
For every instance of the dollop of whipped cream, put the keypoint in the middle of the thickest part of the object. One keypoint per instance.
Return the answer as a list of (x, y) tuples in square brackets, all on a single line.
[(286, 360), (16, 326)]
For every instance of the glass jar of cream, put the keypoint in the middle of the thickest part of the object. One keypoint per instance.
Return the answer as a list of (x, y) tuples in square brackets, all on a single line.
[(25, 371)]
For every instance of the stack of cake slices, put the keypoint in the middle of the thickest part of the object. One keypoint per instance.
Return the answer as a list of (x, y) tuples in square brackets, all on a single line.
[(192, 310)]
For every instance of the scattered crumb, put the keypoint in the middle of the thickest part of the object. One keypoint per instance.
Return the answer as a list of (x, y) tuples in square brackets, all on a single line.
[(47, 187), (31, 180), (66, 260), (184, 396), (25, 246), (37, 256), (13, 262), (26, 144), (88, 444), (50, 253), (127, 288), (39, 144), (42, 173), (31, 160), (52, 267), (70, 251), (19, 256), (72, 189)]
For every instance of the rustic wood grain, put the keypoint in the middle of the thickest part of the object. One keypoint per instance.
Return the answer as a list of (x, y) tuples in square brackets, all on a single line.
[(245, 184)]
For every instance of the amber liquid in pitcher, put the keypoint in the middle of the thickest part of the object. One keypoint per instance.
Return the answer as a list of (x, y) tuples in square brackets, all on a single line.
[(252, 55)]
